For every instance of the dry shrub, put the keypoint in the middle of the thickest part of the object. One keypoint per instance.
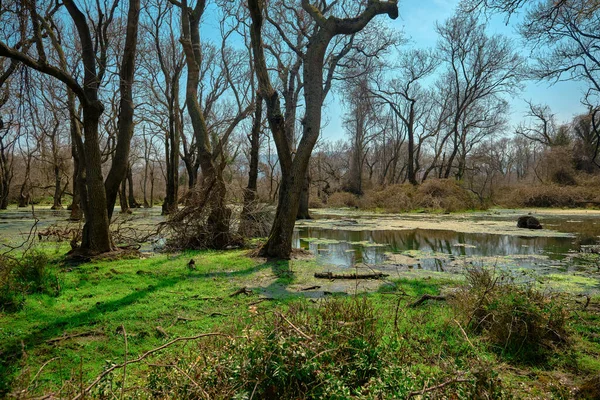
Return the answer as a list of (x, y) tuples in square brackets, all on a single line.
[(256, 220), (590, 389), (444, 194), (203, 223), (519, 321), (434, 194), (393, 198), (342, 199), (548, 196)]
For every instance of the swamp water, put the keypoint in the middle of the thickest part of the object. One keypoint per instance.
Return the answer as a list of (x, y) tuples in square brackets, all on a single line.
[(448, 243), (413, 244)]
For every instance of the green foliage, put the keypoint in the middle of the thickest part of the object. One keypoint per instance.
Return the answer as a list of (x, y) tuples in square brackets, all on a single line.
[(325, 352), (25, 275)]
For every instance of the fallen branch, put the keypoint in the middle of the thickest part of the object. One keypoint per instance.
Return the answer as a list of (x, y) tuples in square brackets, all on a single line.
[(426, 297), (140, 358), (260, 301), (243, 290), (441, 385), (61, 338), (331, 275)]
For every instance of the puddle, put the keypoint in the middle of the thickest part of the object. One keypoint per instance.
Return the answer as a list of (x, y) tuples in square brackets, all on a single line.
[(446, 243)]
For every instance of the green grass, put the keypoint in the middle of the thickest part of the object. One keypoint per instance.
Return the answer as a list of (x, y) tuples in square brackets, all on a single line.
[(137, 294), (414, 347)]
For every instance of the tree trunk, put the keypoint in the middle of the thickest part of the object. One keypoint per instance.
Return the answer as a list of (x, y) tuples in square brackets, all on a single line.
[(132, 202), (123, 198), (57, 190), (172, 153), (76, 211), (24, 195), (96, 233), (120, 161), (279, 244), (304, 199), (246, 219)]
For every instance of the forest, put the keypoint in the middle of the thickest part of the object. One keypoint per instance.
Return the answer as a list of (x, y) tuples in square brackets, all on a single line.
[(299, 199)]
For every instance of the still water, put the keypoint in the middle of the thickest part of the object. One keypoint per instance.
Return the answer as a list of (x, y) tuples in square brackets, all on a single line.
[(442, 250)]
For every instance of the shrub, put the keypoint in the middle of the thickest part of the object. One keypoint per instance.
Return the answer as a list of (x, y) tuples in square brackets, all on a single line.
[(26, 275), (445, 194), (342, 199), (519, 321), (393, 198), (548, 196), (324, 352)]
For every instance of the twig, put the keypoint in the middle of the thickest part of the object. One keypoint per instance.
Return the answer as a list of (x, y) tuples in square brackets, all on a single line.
[(441, 385), (304, 335), (124, 363), (39, 372), (191, 380), (140, 358), (260, 301), (464, 333)]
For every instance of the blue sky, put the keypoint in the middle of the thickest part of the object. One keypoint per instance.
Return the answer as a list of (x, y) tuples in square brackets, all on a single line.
[(417, 20)]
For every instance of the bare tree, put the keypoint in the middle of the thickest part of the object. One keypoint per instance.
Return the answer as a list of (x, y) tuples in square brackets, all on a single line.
[(542, 126), (294, 169), (211, 156), (404, 94), (97, 199), (481, 69)]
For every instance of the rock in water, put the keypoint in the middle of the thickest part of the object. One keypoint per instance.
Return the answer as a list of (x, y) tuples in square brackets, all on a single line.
[(528, 222)]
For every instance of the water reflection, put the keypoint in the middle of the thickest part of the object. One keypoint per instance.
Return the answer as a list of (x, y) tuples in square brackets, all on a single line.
[(439, 249)]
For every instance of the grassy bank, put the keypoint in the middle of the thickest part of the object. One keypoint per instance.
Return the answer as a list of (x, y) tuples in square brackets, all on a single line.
[(273, 340)]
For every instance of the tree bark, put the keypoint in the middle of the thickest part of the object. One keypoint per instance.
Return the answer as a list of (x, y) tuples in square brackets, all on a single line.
[(120, 161)]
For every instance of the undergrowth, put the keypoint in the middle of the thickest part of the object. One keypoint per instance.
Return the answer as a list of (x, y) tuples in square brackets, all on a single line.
[(494, 338), (23, 275)]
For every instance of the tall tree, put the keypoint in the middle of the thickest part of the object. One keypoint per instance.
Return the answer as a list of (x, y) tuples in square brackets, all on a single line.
[(97, 199), (480, 70), (211, 156), (294, 169), (404, 95)]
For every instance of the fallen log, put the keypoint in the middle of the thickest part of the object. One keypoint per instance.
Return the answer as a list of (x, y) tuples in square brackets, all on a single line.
[(331, 275)]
